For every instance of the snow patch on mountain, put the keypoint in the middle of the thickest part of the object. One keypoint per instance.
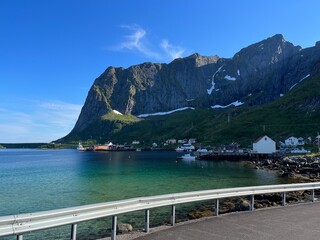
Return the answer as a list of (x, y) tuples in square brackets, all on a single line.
[(229, 78), (212, 81), (117, 112), (304, 77), (236, 104), (164, 113), (293, 86), (308, 75)]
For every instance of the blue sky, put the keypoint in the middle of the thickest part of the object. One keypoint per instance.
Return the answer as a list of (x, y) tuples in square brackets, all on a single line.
[(51, 51)]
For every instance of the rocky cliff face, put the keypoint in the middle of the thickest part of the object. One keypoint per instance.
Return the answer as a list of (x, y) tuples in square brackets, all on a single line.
[(255, 75)]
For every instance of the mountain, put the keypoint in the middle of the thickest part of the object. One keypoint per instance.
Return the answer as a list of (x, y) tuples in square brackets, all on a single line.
[(257, 75)]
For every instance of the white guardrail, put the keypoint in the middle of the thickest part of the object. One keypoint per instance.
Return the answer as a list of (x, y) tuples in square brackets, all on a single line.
[(26, 223)]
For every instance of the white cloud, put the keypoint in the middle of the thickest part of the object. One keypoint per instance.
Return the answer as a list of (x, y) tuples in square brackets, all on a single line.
[(59, 114), (43, 122), (173, 51), (137, 41)]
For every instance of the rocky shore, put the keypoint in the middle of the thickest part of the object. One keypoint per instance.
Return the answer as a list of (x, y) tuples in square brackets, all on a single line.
[(300, 168), (303, 168)]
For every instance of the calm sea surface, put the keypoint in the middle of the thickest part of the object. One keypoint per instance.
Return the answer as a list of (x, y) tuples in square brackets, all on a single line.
[(37, 180)]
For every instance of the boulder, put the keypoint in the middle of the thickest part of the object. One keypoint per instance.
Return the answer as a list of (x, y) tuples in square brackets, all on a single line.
[(227, 206), (124, 227), (243, 205), (267, 162), (200, 214)]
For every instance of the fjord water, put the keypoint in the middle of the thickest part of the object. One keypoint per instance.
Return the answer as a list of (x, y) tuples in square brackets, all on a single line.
[(37, 180)]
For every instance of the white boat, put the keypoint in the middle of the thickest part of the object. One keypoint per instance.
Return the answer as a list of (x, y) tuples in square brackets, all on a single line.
[(80, 147), (188, 156), (185, 147)]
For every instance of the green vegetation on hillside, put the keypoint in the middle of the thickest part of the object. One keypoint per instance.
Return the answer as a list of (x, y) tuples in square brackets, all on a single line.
[(297, 113), (101, 130)]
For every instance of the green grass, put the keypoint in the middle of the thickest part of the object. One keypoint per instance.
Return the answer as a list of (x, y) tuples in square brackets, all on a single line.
[(125, 118)]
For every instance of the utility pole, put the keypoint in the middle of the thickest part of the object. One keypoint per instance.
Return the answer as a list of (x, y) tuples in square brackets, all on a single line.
[(318, 140), (264, 128)]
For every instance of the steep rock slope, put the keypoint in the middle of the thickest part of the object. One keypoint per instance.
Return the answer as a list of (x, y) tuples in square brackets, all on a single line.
[(257, 74)]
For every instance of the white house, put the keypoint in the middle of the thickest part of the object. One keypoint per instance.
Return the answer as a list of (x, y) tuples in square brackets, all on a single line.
[(291, 141), (264, 145)]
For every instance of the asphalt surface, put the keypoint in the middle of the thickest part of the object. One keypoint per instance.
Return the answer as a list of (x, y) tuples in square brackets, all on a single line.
[(298, 222)]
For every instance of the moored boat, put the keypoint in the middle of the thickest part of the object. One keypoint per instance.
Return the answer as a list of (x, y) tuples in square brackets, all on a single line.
[(185, 147), (188, 156), (80, 147)]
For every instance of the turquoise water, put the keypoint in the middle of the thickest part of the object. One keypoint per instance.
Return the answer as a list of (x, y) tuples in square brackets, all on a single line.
[(37, 180)]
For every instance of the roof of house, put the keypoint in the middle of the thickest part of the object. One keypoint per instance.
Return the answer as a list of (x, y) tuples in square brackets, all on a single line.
[(292, 137), (261, 138)]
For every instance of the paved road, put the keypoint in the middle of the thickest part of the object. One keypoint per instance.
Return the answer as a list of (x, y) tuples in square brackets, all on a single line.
[(300, 222)]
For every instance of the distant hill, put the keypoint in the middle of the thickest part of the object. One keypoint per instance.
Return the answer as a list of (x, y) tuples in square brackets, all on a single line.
[(22, 145), (273, 85)]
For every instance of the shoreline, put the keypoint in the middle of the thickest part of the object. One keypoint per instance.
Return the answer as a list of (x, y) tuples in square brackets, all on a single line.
[(302, 168)]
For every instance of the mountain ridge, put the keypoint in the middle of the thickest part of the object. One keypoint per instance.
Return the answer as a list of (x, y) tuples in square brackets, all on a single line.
[(257, 74)]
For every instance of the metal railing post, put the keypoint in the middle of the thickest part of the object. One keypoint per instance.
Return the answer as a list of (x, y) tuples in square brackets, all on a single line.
[(73, 232), (217, 207), (19, 237), (114, 228), (312, 195), (251, 202), (173, 215), (146, 220), (284, 199)]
